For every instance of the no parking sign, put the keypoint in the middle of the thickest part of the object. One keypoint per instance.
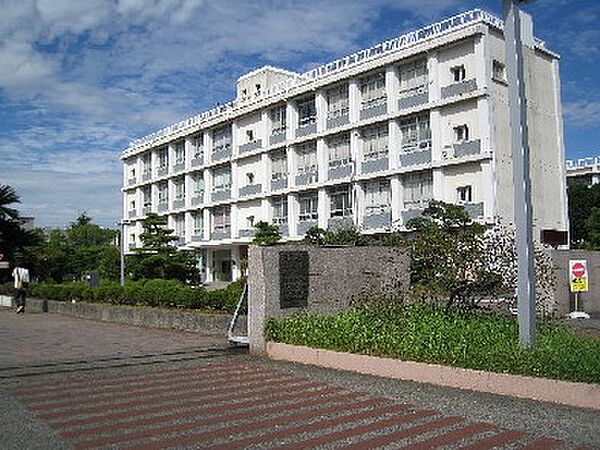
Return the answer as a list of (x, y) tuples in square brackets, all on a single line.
[(578, 275)]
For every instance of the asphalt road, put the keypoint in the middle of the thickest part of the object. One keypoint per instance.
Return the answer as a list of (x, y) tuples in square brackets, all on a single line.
[(71, 383)]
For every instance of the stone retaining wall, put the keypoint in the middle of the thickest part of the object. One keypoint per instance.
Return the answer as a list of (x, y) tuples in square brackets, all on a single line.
[(137, 315)]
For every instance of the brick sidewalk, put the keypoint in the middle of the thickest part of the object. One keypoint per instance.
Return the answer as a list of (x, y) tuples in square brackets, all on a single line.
[(231, 404), (36, 338)]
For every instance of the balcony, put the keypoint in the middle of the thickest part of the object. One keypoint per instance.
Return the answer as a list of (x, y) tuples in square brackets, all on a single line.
[(221, 195), (307, 129), (221, 153), (147, 210), (250, 189), (283, 229), (411, 213), (378, 164), (340, 171), (413, 97), (338, 121), (456, 89), (179, 166), (132, 246), (162, 207), (475, 210), (415, 158), (198, 199), (278, 184), (180, 240), (304, 225), (162, 171), (247, 233), (198, 160), (377, 220), (339, 222), (147, 176), (467, 148), (131, 181), (303, 179), (198, 237), (178, 203), (373, 111), (248, 147), (132, 214), (221, 233), (277, 138)]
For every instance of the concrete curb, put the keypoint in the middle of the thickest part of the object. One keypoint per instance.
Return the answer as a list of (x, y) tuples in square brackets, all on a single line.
[(135, 315), (581, 395)]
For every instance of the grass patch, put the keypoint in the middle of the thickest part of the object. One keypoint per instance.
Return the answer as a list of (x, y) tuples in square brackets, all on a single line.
[(426, 333)]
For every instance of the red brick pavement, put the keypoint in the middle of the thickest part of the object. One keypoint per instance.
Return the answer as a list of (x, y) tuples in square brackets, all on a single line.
[(231, 405)]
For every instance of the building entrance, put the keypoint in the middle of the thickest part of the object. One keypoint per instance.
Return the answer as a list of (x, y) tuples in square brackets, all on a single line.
[(222, 265)]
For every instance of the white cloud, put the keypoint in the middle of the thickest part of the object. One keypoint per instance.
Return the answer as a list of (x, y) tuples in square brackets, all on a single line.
[(582, 113)]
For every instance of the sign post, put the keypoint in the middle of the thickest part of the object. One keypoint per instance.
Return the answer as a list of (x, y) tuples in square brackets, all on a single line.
[(578, 282)]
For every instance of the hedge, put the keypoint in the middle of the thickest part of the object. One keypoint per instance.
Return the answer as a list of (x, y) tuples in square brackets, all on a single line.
[(155, 293), (426, 333)]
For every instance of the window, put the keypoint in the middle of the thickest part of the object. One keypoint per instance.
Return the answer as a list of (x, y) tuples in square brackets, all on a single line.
[(249, 135), (416, 133), (375, 142), (257, 86), (132, 205), (307, 112), (179, 190), (308, 207), (249, 178), (458, 73), (377, 197), (198, 185), (222, 180), (132, 172), (198, 224), (461, 133), (147, 164), (163, 158), (307, 158), (221, 219), (163, 193), (221, 139), (278, 120), (413, 76), (372, 91), (498, 71), (339, 151), (464, 194), (341, 202), (179, 152), (147, 197), (337, 102), (279, 210), (249, 222), (179, 226), (279, 168), (417, 189), (198, 146), (132, 238)]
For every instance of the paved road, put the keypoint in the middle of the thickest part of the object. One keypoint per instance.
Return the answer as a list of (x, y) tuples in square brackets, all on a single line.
[(152, 389)]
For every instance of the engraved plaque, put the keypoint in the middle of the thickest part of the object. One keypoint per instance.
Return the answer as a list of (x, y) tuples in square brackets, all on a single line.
[(293, 279)]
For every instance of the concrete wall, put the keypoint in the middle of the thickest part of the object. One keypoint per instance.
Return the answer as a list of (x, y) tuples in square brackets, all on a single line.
[(337, 277), (588, 301)]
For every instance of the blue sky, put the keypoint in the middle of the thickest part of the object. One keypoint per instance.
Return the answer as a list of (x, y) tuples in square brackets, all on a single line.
[(80, 79)]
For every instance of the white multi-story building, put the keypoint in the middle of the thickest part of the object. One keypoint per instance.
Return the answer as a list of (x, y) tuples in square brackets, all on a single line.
[(584, 171), (368, 140)]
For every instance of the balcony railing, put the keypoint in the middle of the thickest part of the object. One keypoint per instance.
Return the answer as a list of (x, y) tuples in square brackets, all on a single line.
[(411, 98)]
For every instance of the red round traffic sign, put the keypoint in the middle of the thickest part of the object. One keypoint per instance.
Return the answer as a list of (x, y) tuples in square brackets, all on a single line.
[(578, 270)]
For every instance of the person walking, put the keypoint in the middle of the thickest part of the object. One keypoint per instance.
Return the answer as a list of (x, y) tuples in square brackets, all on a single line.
[(21, 278)]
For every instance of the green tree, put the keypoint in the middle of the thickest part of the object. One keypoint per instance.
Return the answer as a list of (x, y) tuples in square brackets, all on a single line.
[(8, 196), (156, 237), (266, 234), (592, 230), (582, 200)]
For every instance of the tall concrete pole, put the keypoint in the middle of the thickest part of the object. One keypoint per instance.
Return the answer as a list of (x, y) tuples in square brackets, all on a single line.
[(122, 247), (514, 21)]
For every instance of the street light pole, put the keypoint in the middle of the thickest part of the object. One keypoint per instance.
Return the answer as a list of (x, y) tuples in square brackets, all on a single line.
[(122, 248), (515, 23)]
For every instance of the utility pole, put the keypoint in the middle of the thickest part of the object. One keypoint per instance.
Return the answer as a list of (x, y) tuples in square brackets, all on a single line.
[(518, 32)]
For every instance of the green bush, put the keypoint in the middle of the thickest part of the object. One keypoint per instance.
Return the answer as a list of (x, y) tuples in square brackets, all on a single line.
[(154, 293), (426, 333), (7, 288)]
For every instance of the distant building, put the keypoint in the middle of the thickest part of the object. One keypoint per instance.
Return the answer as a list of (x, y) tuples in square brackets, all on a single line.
[(368, 140), (583, 171)]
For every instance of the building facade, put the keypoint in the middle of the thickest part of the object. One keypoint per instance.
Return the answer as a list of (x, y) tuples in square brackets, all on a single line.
[(367, 140), (583, 171)]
